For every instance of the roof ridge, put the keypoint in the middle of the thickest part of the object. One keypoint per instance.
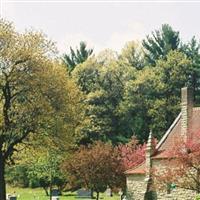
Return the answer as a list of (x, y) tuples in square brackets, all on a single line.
[(168, 131)]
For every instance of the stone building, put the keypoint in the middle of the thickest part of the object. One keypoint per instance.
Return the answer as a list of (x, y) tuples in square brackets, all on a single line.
[(139, 178)]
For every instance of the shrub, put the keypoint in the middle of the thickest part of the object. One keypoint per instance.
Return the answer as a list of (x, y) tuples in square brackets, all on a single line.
[(197, 197), (17, 176)]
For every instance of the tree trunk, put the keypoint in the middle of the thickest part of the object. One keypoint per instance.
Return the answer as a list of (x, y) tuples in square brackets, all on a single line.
[(50, 186), (97, 196), (50, 191), (46, 191), (2, 178)]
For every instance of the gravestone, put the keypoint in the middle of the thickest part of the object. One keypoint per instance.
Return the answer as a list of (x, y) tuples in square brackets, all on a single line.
[(12, 198), (109, 192), (84, 193), (55, 198), (7, 196), (55, 192)]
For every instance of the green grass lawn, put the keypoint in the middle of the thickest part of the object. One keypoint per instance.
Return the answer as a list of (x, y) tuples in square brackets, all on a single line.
[(39, 194)]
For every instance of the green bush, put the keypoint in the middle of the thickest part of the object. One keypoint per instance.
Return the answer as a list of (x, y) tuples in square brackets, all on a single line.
[(17, 176), (34, 183), (197, 197)]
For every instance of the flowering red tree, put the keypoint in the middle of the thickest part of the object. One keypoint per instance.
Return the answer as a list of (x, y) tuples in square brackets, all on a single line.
[(132, 153), (183, 166)]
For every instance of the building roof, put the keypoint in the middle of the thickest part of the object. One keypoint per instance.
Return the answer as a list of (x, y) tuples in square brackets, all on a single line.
[(170, 139), (172, 136), (139, 169)]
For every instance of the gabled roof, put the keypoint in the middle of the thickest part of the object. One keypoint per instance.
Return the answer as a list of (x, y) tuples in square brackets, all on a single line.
[(139, 169), (169, 139), (169, 131), (174, 132)]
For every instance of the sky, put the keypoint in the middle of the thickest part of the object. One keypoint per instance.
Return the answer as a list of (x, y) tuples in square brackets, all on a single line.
[(102, 24)]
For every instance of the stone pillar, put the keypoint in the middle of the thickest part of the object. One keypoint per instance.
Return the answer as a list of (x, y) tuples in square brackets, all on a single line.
[(150, 193), (186, 110), (148, 156)]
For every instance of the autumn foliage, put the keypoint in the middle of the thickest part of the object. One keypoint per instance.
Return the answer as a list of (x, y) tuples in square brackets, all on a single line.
[(183, 164), (132, 153), (100, 165), (95, 167)]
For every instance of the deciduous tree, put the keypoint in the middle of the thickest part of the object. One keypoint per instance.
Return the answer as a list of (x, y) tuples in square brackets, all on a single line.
[(132, 153), (104, 85), (95, 167), (133, 54), (33, 90), (152, 99)]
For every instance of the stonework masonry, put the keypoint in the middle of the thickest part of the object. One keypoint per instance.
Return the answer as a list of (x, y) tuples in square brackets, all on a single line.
[(186, 110), (136, 187), (183, 126), (175, 194)]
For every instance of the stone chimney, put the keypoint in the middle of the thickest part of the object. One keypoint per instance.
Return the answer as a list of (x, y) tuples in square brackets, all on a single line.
[(149, 151), (186, 110)]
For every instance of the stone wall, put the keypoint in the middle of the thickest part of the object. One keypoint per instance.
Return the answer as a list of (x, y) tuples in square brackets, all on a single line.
[(177, 194), (136, 187)]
